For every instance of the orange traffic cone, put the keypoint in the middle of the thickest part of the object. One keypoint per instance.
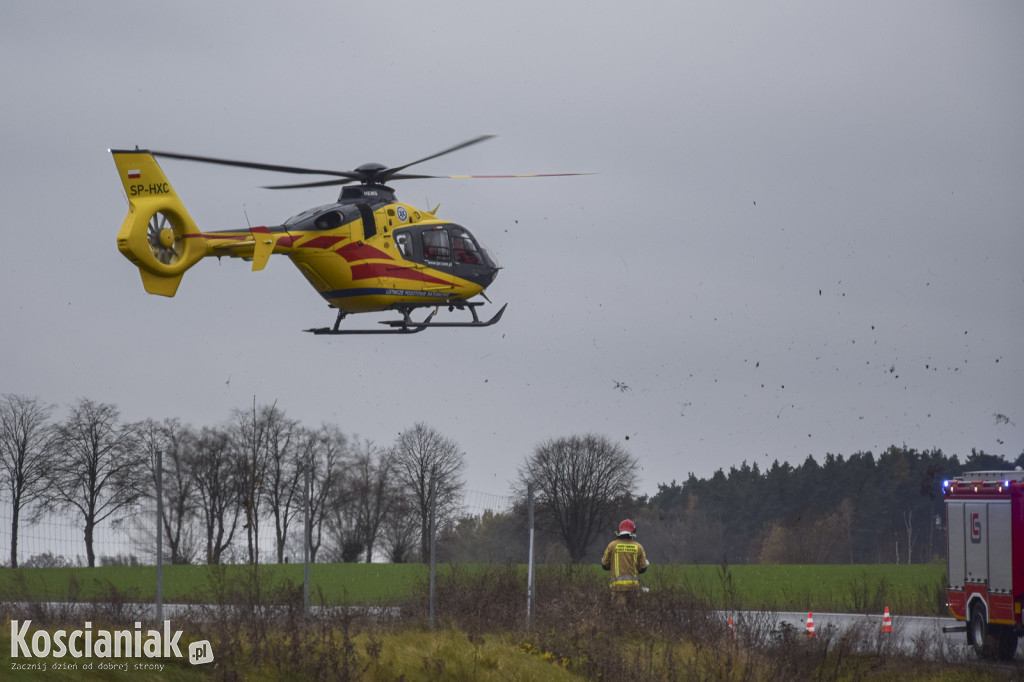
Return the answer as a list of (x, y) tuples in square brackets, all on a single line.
[(886, 621), (810, 624)]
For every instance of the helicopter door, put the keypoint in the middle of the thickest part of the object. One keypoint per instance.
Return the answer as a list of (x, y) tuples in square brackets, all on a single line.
[(437, 247), (436, 250)]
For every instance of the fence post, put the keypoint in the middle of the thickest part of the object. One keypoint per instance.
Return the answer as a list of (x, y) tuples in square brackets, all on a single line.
[(159, 536), (529, 565), (306, 532), (433, 515)]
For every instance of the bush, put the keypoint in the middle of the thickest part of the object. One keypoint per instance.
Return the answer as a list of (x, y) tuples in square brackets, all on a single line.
[(47, 560)]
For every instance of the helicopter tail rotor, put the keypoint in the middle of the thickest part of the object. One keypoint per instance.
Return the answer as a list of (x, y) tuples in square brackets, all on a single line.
[(157, 235)]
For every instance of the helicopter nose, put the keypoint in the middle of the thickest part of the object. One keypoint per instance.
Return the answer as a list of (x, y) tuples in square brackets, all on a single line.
[(480, 274), (483, 276)]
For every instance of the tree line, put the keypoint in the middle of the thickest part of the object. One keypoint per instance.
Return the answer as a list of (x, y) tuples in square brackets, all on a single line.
[(864, 508), (858, 509), (222, 483)]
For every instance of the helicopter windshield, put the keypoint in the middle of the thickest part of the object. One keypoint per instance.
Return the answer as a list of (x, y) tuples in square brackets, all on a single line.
[(466, 250), (478, 251), (442, 244)]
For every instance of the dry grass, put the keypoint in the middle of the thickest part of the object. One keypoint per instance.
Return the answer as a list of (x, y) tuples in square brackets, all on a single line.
[(575, 632)]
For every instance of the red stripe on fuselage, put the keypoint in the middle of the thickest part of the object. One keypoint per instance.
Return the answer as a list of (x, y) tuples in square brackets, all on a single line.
[(373, 270), (323, 242), (358, 251)]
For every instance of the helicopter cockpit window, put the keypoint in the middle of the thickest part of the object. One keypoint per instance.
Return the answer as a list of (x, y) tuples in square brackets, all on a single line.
[(328, 221), (466, 250), (436, 245), (304, 219)]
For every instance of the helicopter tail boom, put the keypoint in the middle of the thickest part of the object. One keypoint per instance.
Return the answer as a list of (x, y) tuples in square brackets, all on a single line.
[(157, 235)]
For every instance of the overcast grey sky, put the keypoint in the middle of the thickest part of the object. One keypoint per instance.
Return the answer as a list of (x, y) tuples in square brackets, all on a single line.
[(804, 235)]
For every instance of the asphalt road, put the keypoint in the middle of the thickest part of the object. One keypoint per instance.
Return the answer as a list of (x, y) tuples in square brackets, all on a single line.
[(909, 633)]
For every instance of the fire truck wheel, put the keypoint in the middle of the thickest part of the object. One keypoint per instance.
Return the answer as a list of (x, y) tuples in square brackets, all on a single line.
[(978, 634)]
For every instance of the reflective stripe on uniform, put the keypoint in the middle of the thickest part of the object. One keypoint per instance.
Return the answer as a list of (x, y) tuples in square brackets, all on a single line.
[(625, 560)]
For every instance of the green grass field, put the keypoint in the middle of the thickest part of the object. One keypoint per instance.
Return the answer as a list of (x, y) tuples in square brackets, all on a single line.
[(378, 584), (917, 588)]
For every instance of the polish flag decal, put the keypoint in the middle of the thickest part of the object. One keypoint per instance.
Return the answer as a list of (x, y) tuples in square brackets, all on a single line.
[(134, 175)]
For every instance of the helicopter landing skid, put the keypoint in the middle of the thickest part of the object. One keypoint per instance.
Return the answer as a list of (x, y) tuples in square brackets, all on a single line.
[(408, 326)]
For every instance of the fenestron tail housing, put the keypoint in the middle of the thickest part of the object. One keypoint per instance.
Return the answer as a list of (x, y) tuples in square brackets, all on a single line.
[(157, 235)]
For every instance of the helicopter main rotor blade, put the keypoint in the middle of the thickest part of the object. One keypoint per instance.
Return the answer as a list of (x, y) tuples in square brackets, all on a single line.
[(322, 183), (518, 175), (371, 173), (412, 176), (391, 172), (259, 166)]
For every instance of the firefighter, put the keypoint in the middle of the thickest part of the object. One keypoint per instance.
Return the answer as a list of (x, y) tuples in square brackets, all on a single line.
[(625, 559)]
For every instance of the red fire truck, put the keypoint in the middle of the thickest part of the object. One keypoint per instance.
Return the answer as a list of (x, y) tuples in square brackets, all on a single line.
[(985, 558)]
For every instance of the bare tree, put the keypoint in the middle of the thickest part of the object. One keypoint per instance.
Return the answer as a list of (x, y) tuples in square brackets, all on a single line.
[(908, 524), (346, 544), (421, 455), (98, 470), (250, 436), (212, 462), (580, 482), (26, 440), (363, 498), (282, 487), (174, 441), (400, 530), (325, 451), (371, 493)]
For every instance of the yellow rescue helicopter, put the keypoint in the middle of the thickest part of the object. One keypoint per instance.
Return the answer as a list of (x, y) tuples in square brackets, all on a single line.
[(367, 252)]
